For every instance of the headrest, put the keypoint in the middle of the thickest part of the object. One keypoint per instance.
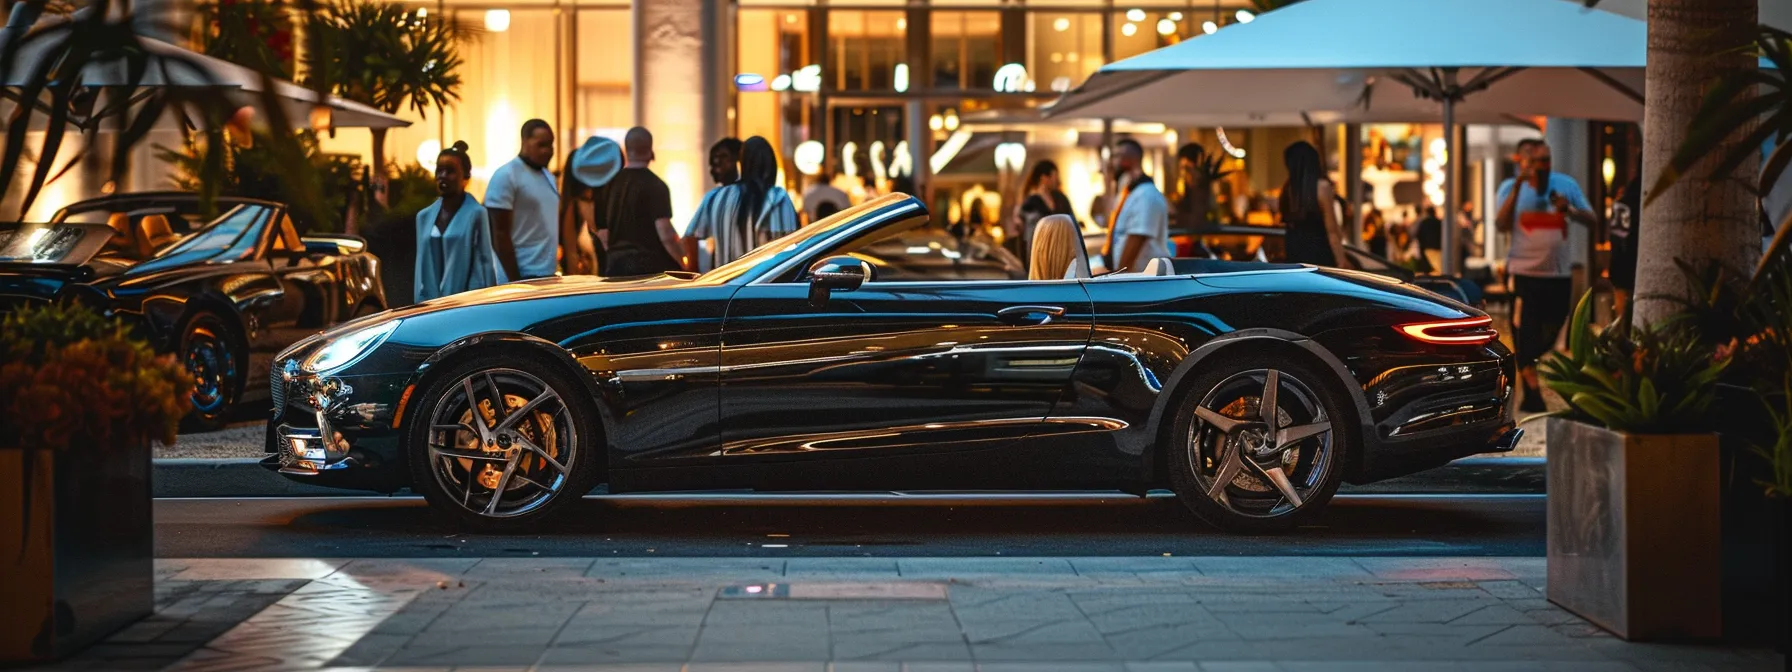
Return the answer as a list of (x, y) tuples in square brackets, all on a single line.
[(1158, 266)]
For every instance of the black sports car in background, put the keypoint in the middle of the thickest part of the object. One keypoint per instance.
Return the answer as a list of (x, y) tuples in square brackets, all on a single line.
[(856, 354), (225, 294)]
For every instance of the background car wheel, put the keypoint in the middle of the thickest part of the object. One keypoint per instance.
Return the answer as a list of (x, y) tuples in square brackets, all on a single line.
[(1259, 443), (500, 444), (209, 350)]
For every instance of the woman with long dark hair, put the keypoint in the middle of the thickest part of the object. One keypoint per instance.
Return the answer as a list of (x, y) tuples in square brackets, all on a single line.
[(1313, 234), (454, 238), (739, 217), (1042, 199)]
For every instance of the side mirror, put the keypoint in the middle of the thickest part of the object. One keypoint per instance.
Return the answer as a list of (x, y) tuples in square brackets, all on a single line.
[(833, 274)]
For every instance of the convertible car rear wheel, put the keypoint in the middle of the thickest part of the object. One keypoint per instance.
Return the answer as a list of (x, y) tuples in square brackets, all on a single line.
[(499, 445), (208, 348), (1259, 444)]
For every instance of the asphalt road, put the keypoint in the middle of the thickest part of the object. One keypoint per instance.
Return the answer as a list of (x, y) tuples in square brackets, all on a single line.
[(864, 525)]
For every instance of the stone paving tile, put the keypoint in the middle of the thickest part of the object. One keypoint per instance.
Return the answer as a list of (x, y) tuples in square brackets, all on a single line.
[(221, 569), (963, 567), (802, 568), (1280, 567), (688, 569), (584, 657), (1433, 569)]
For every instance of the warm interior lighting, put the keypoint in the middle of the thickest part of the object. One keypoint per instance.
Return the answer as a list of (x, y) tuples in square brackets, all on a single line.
[(1465, 331), (497, 20), (900, 77), (1061, 24), (1135, 15), (809, 156), (1209, 27), (1245, 16), (427, 153), (1166, 27), (1129, 29)]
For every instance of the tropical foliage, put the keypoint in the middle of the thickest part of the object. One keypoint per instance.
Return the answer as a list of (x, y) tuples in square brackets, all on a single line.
[(320, 196), (257, 34), (43, 62), (75, 380), (388, 57), (1657, 379), (1761, 95), (1749, 318)]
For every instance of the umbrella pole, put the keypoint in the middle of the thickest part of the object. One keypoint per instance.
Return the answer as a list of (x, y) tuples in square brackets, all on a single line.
[(1453, 156)]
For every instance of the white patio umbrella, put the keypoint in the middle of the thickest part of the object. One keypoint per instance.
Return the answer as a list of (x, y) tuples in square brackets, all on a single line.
[(1386, 61), (244, 86)]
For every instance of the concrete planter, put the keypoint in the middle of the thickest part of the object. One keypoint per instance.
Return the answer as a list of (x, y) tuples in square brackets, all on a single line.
[(1635, 531), (76, 548)]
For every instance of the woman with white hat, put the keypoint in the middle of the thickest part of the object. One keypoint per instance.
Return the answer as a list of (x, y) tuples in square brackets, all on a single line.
[(591, 166), (454, 236)]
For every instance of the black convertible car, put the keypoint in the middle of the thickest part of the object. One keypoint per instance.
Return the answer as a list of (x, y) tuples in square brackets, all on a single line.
[(225, 294), (864, 353)]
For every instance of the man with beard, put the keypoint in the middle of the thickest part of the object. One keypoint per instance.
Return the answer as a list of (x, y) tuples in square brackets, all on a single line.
[(1536, 208)]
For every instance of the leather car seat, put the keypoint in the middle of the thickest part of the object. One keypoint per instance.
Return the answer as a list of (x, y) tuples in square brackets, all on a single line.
[(123, 240), (157, 234)]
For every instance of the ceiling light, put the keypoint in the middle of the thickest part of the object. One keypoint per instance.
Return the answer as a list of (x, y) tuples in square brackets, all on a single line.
[(1166, 27), (1061, 24), (1135, 15), (497, 20), (1175, 16), (1209, 27), (1129, 29), (1245, 16)]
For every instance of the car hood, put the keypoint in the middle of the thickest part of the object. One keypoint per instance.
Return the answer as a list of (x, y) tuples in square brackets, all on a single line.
[(542, 288)]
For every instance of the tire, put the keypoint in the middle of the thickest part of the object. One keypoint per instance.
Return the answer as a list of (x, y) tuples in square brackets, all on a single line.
[(469, 486), (213, 354), (1309, 455)]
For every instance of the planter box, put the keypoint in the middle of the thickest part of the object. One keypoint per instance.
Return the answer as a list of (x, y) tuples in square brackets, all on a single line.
[(1634, 531), (76, 548)]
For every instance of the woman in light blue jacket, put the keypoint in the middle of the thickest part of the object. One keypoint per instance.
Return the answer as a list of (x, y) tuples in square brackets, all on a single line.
[(454, 237)]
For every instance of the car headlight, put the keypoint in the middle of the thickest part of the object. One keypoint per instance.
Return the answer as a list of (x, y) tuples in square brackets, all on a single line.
[(349, 348)]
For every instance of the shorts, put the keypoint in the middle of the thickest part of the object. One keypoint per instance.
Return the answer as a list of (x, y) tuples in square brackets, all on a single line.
[(1544, 304)]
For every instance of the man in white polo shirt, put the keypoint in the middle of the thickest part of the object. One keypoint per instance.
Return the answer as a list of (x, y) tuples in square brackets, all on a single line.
[(525, 207)]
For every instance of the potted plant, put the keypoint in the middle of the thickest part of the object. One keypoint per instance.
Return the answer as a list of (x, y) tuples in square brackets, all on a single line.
[(1633, 479), (81, 399)]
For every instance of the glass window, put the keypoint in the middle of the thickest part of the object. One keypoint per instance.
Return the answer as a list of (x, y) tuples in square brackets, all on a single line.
[(864, 48), (914, 251), (1137, 31), (234, 235), (967, 48), (604, 103), (1063, 48), (774, 44)]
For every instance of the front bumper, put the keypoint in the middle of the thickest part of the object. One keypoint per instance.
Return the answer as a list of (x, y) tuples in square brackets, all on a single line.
[(336, 431)]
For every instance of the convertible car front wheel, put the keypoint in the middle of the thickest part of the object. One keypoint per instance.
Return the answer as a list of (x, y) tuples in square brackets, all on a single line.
[(499, 445), (1259, 443), (208, 349)]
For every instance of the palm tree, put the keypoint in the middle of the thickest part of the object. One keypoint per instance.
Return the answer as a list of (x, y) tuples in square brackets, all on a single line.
[(45, 58), (1703, 217), (385, 56)]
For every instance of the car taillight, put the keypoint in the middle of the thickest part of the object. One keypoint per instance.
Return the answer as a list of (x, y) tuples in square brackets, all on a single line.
[(1466, 331)]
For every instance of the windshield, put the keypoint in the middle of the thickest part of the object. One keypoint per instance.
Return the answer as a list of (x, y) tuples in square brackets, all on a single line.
[(795, 240), (232, 236), (52, 243)]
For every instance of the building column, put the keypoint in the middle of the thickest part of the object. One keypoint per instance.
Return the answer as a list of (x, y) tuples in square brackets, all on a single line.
[(1568, 148), (678, 73)]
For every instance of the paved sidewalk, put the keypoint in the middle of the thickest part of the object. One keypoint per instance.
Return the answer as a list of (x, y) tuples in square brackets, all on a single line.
[(875, 614)]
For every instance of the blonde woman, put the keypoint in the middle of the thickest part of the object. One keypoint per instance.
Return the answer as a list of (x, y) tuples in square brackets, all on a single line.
[(1057, 250)]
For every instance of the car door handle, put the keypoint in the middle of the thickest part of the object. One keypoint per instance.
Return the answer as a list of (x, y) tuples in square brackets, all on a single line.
[(1020, 315)]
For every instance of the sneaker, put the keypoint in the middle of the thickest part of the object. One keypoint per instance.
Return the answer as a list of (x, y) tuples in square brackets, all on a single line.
[(1533, 401)]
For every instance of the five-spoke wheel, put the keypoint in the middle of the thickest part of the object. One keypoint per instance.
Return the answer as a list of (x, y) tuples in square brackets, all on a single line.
[(1259, 448), (503, 444)]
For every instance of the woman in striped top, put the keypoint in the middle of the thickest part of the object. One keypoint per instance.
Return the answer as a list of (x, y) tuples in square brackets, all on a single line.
[(738, 217)]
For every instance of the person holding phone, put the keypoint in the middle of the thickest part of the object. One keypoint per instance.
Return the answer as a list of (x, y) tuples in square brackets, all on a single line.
[(1537, 207)]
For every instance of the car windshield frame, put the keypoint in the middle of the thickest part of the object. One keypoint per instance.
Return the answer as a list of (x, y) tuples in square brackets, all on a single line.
[(774, 257), (243, 244)]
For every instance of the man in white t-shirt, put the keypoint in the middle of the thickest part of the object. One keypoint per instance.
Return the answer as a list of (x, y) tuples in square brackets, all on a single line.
[(1537, 208), (1141, 218), (524, 204)]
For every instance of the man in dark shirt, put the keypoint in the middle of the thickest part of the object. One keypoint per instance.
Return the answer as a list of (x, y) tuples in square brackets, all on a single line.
[(634, 215)]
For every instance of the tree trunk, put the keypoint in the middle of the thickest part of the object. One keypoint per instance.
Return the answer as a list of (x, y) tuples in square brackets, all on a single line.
[(378, 174), (1702, 218)]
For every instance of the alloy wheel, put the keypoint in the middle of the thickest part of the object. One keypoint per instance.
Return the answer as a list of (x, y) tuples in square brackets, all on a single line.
[(213, 367), (502, 443), (1261, 445)]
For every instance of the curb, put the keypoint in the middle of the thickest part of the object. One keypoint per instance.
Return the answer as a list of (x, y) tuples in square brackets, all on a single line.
[(245, 477)]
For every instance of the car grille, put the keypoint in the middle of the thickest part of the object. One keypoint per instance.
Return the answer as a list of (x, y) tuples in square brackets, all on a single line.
[(277, 390)]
